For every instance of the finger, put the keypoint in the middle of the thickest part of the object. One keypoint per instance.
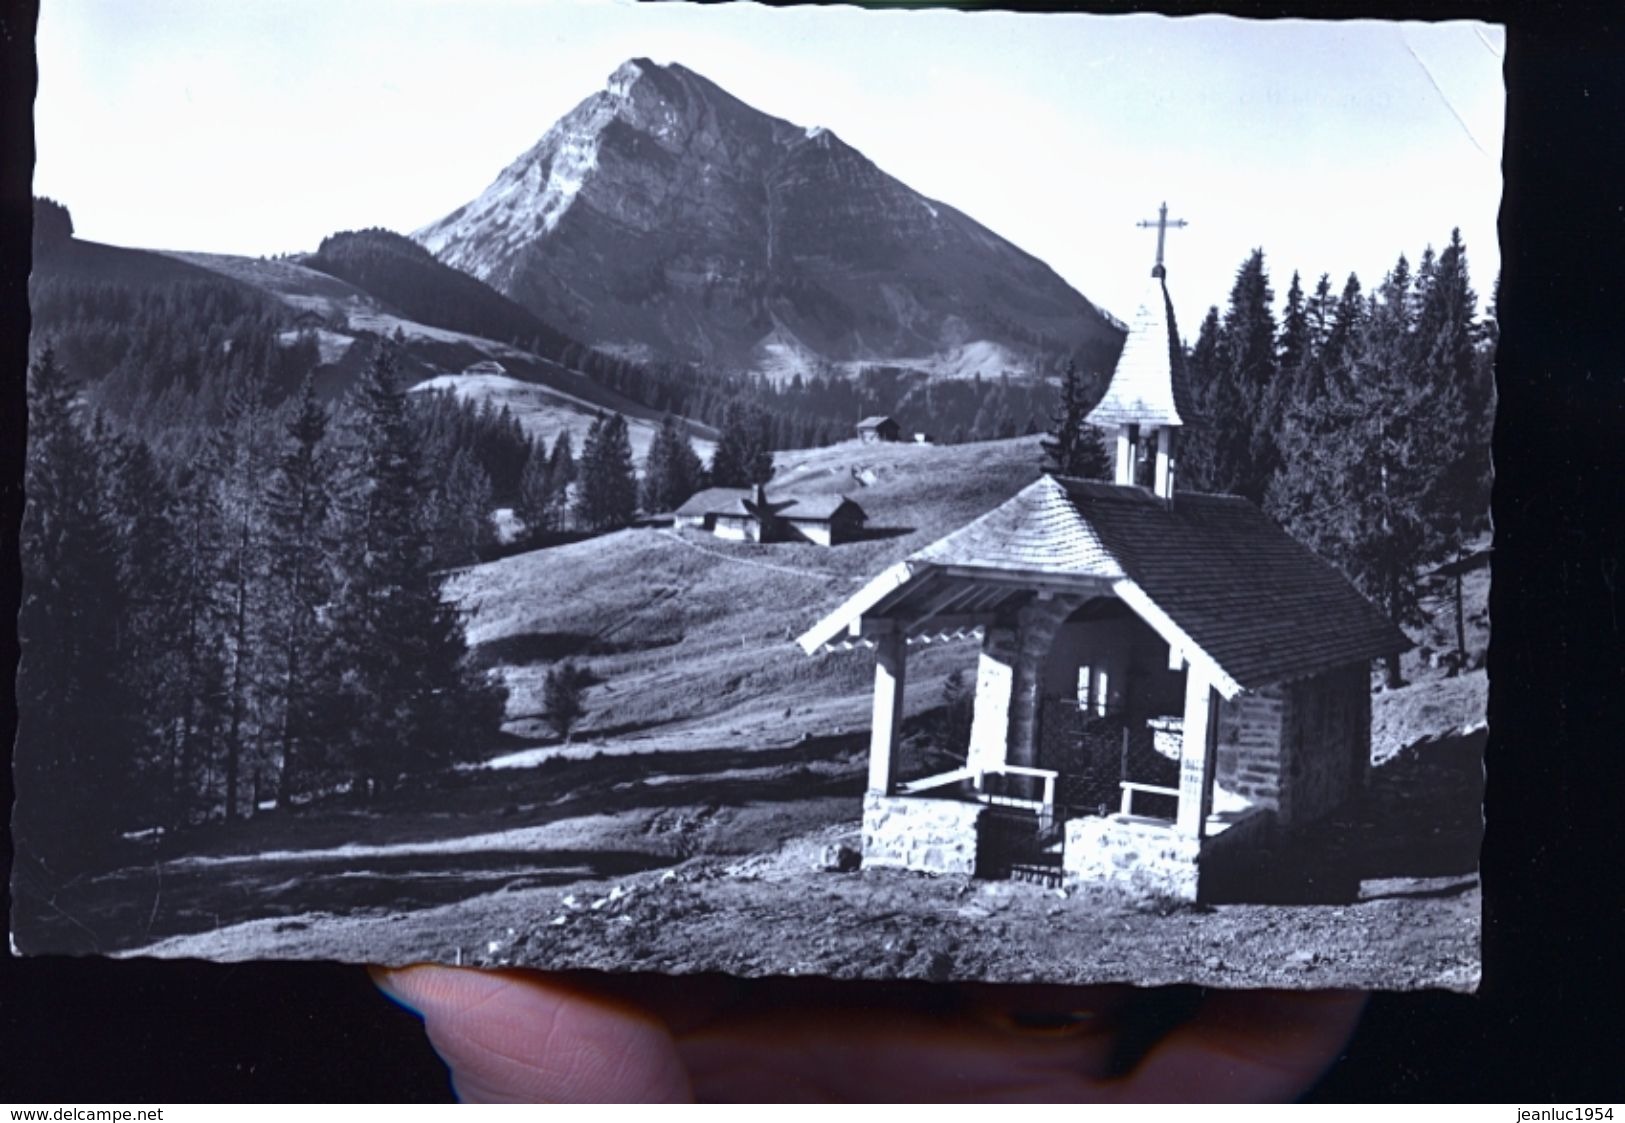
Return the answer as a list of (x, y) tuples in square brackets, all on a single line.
[(516, 1037), (906, 1046), (1247, 1046)]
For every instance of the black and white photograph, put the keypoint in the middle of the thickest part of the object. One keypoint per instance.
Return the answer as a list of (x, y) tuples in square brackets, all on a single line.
[(815, 491)]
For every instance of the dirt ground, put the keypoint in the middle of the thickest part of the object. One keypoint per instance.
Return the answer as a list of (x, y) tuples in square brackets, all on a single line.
[(713, 861)]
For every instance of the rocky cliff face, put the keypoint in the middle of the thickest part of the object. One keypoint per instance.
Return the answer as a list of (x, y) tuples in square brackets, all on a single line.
[(665, 218)]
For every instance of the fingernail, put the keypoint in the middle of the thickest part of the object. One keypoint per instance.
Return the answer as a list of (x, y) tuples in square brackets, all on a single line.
[(384, 979)]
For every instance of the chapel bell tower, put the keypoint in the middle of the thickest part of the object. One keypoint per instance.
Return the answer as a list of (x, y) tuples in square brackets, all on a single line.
[(1147, 400)]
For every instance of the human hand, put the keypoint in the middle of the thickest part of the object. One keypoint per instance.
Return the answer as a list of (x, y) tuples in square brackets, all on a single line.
[(522, 1036)]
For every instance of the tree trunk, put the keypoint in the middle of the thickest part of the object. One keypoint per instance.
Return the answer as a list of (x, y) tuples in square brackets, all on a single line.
[(1395, 680), (285, 782), (240, 635)]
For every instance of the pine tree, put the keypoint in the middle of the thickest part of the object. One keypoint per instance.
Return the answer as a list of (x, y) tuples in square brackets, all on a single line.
[(198, 728), (139, 506), (237, 460), (459, 513), (1245, 406), (1074, 447), (741, 458), (536, 508), (1199, 443), (1448, 344), (608, 496), (299, 504), (672, 471), (73, 763), (1360, 480), (562, 472), (410, 699), (1294, 348)]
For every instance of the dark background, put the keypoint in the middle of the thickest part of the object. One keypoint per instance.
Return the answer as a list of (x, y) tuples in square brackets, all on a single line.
[(1546, 1027)]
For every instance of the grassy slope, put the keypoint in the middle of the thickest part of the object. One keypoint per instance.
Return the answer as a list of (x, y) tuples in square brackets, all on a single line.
[(545, 411), (435, 350), (695, 635)]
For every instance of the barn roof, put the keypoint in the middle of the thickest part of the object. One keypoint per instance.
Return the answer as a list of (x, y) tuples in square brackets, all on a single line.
[(817, 507), (876, 422), (741, 501), (1211, 574), (716, 500), (1148, 387)]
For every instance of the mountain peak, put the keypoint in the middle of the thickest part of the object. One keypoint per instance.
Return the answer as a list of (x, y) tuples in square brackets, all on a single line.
[(626, 75), (662, 217)]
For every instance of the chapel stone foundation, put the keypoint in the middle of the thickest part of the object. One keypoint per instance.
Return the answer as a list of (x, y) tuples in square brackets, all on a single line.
[(927, 835)]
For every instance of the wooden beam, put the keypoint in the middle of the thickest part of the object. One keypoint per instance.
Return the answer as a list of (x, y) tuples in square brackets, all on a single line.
[(891, 665), (873, 597), (1076, 583), (956, 623), (1198, 755)]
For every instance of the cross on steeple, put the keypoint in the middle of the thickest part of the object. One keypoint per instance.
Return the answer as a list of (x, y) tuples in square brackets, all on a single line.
[(1162, 223)]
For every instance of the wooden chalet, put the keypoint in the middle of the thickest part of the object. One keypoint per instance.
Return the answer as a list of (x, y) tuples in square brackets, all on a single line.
[(872, 430), (748, 515), (1167, 680)]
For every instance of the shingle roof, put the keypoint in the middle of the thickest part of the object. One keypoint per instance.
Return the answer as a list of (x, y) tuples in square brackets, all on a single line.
[(1255, 600), (716, 500), (817, 507), (1036, 530), (742, 501), (1210, 573), (1149, 385)]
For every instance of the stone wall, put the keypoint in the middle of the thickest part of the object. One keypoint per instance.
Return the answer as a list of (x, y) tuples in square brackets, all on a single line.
[(1149, 858), (1298, 750), (929, 835), (1250, 766), (1145, 857)]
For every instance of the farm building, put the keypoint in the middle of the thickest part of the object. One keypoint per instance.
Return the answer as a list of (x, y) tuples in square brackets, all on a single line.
[(1167, 681), (746, 515), (872, 430)]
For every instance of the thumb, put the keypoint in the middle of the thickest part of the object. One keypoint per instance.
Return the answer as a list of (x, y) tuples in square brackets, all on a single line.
[(516, 1037)]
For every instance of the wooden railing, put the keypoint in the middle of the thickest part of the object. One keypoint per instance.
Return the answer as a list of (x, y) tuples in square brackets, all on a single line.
[(1045, 807), (1130, 787)]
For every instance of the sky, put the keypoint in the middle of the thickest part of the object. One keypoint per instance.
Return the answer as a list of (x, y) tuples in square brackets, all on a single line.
[(260, 128)]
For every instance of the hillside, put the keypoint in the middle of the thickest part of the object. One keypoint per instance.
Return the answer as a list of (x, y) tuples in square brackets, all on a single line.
[(546, 411), (555, 397), (692, 636), (407, 278), (663, 218)]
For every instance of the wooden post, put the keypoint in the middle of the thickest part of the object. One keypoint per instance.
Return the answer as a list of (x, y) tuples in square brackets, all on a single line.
[(1165, 462), (1125, 454), (1197, 755), (891, 652)]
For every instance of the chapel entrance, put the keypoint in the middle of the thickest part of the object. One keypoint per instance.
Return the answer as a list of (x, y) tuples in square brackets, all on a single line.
[(1111, 721)]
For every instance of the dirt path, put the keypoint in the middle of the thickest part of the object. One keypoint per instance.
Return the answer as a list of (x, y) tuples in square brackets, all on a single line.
[(711, 860), (1410, 848)]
